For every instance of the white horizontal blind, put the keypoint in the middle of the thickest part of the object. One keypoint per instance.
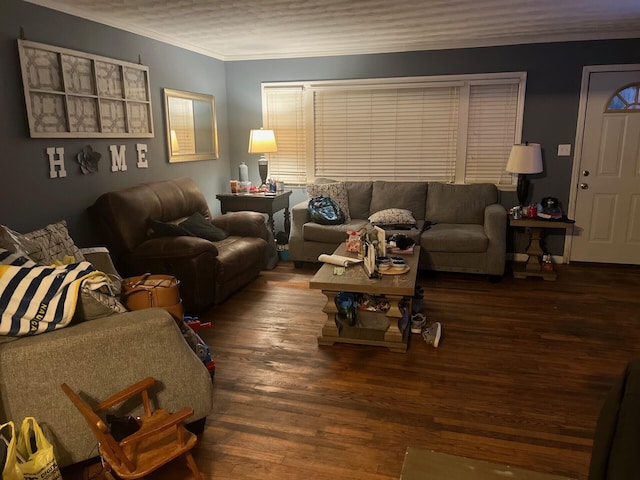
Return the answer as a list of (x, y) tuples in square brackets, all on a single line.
[(386, 133), (457, 128), (491, 132), (284, 114)]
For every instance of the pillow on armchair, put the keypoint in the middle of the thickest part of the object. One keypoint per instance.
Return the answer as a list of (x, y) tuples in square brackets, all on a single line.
[(198, 226), (194, 226)]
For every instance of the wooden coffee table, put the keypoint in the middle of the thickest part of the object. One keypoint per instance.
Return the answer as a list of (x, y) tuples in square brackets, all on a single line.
[(394, 288)]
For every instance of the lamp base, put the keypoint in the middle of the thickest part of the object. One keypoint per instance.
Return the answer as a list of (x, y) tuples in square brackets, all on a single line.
[(522, 189), (263, 170)]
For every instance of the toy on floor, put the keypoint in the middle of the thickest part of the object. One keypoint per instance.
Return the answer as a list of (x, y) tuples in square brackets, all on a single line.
[(190, 333)]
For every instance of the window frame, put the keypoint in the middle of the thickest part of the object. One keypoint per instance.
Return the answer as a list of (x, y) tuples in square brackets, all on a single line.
[(463, 81)]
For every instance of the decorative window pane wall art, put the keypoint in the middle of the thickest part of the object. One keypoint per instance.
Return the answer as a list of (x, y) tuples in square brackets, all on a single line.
[(79, 95)]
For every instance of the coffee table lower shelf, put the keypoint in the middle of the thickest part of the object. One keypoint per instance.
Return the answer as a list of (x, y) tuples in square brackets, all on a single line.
[(337, 332)]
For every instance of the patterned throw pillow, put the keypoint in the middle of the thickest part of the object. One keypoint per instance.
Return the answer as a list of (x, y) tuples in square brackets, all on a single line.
[(337, 191), (393, 216), (52, 243)]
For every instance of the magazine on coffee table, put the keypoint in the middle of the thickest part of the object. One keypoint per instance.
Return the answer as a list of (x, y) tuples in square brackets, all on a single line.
[(339, 260)]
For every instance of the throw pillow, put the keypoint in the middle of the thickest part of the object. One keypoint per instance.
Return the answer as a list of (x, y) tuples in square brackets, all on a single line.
[(336, 191), (162, 229), (393, 217), (198, 226), (50, 244)]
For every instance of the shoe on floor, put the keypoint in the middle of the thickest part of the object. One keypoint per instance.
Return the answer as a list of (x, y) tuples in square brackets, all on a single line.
[(418, 322), (432, 334)]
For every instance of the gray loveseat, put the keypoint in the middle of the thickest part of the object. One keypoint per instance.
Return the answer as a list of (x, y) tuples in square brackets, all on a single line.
[(466, 224), (98, 358)]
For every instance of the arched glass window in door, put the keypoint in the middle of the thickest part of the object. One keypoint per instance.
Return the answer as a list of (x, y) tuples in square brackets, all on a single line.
[(625, 99)]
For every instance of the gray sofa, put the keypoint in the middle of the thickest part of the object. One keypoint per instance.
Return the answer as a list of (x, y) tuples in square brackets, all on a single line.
[(98, 358), (466, 224)]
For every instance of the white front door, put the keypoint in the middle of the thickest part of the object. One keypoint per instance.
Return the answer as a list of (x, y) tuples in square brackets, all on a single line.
[(607, 211)]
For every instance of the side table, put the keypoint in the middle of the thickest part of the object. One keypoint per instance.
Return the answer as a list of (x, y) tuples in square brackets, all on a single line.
[(258, 202), (535, 228)]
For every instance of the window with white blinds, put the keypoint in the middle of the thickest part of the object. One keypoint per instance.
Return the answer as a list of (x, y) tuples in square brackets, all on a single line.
[(394, 134), (491, 132), (456, 129), (284, 114)]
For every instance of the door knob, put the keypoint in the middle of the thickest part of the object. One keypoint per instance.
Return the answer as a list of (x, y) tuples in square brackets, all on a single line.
[(585, 173), (584, 186)]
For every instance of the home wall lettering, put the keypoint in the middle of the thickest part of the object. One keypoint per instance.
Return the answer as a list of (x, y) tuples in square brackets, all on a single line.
[(57, 168)]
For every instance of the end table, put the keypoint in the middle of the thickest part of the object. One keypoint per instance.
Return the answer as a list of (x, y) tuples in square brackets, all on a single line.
[(535, 228), (258, 202)]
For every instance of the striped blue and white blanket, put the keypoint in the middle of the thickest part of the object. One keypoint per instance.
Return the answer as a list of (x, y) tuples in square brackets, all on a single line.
[(36, 299)]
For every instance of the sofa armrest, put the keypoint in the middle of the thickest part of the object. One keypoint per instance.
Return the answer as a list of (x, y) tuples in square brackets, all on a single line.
[(243, 224), (100, 258), (495, 221), (98, 358), (300, 213), (495, 227), (299, 216)]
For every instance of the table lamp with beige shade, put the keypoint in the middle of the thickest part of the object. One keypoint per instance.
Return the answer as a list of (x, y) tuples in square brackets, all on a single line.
[(262, 141), (524, 159)]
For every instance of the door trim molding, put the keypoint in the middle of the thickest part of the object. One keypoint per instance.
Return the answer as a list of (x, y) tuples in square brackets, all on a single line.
[(577, 157)]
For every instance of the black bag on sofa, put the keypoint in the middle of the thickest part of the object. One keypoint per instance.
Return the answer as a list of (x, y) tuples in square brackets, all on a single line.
[(325, 211)]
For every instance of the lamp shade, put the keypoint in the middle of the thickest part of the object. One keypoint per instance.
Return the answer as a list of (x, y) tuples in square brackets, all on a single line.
[(525, 158), (262, 141)]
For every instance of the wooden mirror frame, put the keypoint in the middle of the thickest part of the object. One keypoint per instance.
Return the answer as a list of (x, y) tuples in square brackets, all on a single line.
[(192, 133)]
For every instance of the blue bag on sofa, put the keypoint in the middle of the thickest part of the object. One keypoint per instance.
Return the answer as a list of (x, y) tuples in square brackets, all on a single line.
[(325, 211)]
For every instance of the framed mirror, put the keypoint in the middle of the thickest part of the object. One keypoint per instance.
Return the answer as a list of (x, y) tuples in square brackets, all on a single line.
[(192, 133)]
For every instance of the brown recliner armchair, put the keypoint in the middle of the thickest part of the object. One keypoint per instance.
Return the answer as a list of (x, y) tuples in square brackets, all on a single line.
[(209, 272)]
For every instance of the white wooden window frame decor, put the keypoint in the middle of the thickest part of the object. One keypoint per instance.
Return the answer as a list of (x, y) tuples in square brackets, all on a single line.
[(71, 94)]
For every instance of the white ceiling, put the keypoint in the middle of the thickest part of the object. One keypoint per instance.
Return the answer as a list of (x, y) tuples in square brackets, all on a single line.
[(254, 29)]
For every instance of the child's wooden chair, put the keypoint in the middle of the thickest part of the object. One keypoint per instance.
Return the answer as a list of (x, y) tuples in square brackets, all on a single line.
[(161, 438)]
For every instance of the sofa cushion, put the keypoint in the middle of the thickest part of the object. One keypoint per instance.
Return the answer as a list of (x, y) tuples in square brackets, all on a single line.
[(330, 233), (406, 195), (336, 191), (237, 254), (455, 238), (359, 194), (459, 203)]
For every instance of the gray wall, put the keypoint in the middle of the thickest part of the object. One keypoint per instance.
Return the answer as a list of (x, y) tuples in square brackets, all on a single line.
[(551, 107), (29, 199)]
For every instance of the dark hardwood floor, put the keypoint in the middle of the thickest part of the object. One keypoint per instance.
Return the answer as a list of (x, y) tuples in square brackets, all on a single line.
[(519, 378)]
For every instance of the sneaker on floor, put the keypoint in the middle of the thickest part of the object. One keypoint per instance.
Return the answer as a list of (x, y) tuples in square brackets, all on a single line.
[(418, 322), (432, 334)]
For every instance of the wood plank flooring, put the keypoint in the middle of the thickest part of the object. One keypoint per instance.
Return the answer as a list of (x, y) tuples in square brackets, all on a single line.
[(519, 378)]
